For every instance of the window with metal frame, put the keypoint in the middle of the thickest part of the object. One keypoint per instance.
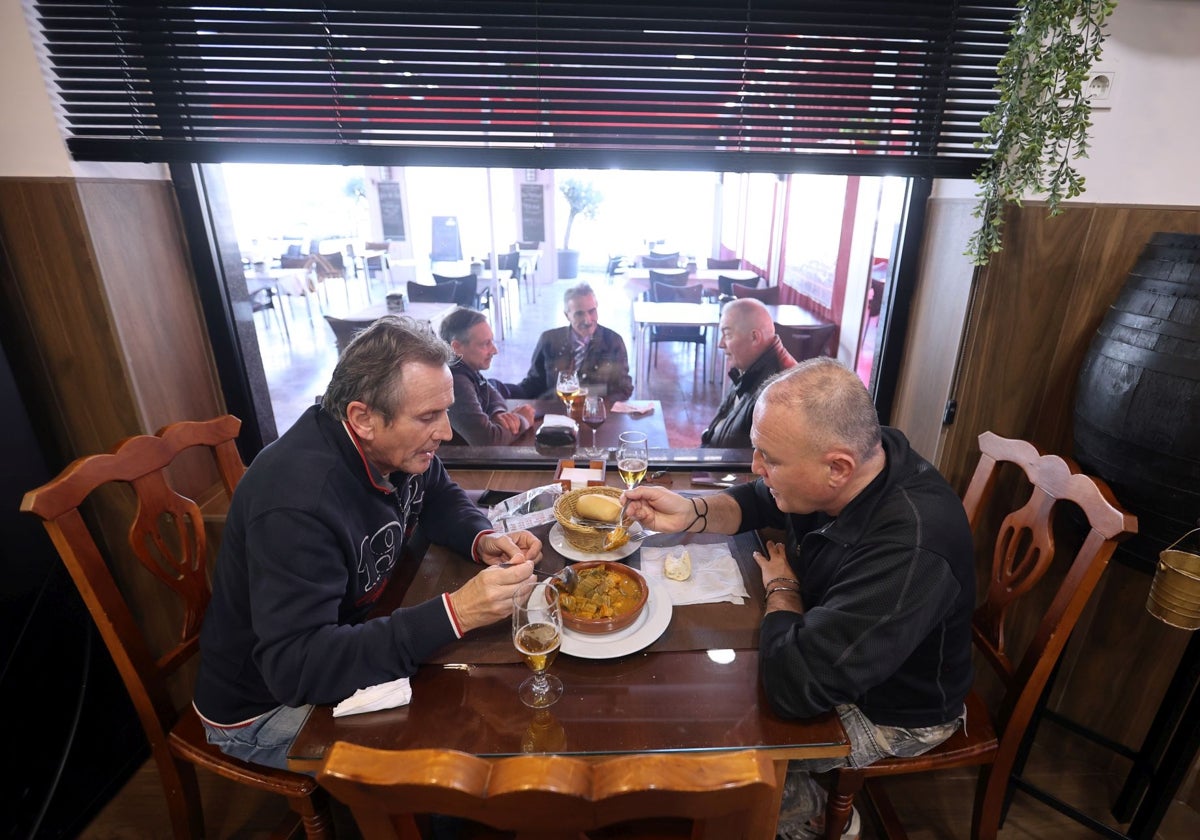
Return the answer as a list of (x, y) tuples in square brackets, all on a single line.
[(848, 86)]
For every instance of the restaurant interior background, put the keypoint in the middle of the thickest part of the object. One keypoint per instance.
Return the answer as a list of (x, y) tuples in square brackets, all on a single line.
[(104, 330), (824, 237)]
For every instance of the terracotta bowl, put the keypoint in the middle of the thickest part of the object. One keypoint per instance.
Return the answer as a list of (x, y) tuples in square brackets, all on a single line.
[(617, 622)]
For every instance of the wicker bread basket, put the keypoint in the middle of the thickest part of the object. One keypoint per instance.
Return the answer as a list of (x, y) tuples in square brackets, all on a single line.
[(583, 537)]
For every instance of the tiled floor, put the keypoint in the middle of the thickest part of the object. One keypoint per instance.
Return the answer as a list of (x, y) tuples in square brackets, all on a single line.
[(298, 368)]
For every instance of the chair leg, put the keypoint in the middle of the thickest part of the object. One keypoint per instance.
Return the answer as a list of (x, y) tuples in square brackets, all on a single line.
[(315, 814), (845, 786)]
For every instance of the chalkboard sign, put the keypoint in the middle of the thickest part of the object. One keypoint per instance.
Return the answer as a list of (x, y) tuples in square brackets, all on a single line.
[(392, 210), (446, 244), (533, 213)]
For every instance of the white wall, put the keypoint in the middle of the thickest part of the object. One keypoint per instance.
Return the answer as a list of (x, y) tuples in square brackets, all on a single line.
[(1144, 148), (30, 142)]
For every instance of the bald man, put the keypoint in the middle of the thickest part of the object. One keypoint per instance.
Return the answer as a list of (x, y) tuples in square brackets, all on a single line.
[(748, 339)]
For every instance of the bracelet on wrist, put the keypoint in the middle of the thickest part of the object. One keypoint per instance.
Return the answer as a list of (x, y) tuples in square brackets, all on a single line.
[(783, 580), (775, 589), (699, 516)]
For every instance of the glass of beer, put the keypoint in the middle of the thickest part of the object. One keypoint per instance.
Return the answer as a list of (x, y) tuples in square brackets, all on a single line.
[(567, 387), (633, 456), (537, 634)]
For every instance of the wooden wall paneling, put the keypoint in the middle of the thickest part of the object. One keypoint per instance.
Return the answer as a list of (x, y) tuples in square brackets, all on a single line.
[(940, 304), (1022, 299), (71, 347)]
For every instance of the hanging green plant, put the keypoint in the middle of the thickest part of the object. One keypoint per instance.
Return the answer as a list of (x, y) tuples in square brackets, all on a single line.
[(1042, 119)]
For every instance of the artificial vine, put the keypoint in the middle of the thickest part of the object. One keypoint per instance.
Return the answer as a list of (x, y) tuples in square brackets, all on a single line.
[(1042, 119)]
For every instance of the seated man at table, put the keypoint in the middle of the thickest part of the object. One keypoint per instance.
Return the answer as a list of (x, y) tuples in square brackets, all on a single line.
[(869, 600), (755, 353), (315, 530), (479, 416), (596, 353)]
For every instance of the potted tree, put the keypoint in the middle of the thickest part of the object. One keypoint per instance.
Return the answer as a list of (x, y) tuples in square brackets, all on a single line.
[(584, 199)]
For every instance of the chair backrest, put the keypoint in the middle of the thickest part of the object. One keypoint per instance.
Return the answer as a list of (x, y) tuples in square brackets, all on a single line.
[(441, 293), (670, 293), (455, 278), (344, 331), (661, 260), (727, 796), (327, 265), (166, 535), (293, 260), (733, 262), (769, 295), (875, 301), (673, 276), (1022, 552), (725, 284), (377, 246), (807, 342)]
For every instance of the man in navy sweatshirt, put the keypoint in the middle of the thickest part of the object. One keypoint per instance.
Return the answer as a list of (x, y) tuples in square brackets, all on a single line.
[(314, 532)]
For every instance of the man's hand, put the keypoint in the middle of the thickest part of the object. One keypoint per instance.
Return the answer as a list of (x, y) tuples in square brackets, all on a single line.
[(775, 564), (510, 421), (658, 509), (487, 597), (525, 411), (509, 548)]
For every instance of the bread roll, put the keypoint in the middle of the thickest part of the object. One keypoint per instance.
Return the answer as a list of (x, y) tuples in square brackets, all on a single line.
[(678, 567), (598, 506)]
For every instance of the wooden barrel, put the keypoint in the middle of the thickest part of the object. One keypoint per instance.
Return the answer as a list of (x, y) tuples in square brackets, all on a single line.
[(1137, 405)]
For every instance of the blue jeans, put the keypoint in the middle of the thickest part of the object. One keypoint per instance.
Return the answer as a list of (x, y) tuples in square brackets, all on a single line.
[(265, 740), (801, 814)]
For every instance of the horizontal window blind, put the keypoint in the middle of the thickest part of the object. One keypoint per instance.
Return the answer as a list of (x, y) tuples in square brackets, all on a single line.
[(853, 86)]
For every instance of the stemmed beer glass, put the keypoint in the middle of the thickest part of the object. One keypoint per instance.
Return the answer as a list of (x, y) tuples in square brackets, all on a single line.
[(633, 456), (567, 387), (537, 634)]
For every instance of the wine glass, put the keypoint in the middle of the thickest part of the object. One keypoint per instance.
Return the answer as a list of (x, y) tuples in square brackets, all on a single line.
[(537, 633), (594, 415), (633, 456), (567, 387)]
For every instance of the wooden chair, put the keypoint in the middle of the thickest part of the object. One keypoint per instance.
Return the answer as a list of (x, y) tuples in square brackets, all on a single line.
[(806, 342), (731, 263), (1022, 552), (768, 295), (721, 796), (671, 293), (440, 293), (166, 535)]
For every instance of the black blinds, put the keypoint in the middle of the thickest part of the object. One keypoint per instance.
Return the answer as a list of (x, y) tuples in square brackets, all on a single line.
[(854, 86)]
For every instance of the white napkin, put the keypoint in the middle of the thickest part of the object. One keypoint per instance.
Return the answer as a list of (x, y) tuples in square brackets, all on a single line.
[(386, 695), (715, 576), (634, 407), (551, 421)]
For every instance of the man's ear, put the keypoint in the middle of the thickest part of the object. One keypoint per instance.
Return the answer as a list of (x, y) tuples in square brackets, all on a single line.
[(841, 467), (361, 419)]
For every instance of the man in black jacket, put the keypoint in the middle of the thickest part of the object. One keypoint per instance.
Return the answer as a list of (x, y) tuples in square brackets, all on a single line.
[(755, 354), (869, 599), (596, 353)]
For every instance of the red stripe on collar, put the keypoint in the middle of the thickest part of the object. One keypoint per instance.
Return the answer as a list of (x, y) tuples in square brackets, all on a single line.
[(366, 464)]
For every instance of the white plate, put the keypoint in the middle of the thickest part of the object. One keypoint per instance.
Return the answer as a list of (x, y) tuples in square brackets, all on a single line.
[(558, 541), (643, 632)]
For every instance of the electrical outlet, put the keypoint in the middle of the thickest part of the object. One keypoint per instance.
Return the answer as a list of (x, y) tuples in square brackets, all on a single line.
[(1098, 88)]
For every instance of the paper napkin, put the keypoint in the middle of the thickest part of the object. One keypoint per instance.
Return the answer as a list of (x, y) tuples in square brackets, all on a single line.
[(715, 576), (386, 695), (634, 407)]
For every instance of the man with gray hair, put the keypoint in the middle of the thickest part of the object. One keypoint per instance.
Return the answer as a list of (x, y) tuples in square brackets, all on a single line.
[(479, 416), (596, 353), (747, 335), (869, 598), (315, 530)]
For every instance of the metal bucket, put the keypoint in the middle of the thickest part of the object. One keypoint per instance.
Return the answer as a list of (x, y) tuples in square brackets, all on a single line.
[(1175, 590)]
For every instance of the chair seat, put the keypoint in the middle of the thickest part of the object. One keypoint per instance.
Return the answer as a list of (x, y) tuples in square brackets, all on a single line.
[(974, 744), (187, 740)]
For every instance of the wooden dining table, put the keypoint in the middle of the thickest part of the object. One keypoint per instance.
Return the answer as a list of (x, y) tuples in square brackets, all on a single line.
[(695, 688)]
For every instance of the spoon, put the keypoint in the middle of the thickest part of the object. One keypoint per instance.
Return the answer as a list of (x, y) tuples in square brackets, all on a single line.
[(566, 576)]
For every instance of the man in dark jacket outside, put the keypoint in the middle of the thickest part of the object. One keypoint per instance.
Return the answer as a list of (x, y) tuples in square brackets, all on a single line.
[(316, 528), (479, 416), (747, 335), (596, 353), (869, 599)]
